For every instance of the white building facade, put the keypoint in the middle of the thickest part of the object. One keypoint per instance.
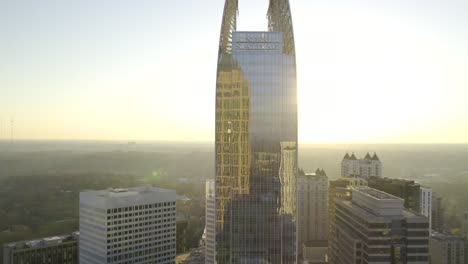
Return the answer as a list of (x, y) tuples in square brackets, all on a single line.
[(312, 206), (426, 204), (210, 222), (365, 167), (134, 225)]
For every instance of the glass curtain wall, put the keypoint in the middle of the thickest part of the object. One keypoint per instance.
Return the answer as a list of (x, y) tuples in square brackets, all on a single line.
[(256, 143)]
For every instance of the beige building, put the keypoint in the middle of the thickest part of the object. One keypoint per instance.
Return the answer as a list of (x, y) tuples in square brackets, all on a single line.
[(447, 249), (312, 205), (365, 167)]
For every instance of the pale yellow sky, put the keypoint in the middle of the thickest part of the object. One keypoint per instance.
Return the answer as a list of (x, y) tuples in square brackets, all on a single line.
[(392, 71)]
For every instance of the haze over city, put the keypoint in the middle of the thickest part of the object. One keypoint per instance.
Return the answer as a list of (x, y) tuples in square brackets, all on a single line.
[(145, 70), (233, 131)]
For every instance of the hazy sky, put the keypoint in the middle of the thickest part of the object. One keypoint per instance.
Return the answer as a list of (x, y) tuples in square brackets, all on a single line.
[(368, 71)]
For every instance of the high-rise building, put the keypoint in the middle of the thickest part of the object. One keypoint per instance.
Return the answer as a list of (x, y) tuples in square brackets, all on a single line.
[(50, 250), (374, 227), (438, 214), (426, 204), (465, 224), (256, 140), (340, 189), (134, 225), (447, 249), (181, 234), (408, 190), (312, 206), (210, 222), (365, 167)]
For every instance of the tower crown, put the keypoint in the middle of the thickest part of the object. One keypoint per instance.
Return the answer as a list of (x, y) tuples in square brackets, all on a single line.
[(279, 20)]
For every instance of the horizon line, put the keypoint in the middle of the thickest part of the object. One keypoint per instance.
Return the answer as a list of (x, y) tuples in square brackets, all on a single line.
[(212, 141)]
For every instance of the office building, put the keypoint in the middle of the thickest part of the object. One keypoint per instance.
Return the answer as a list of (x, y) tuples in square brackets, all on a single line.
[(465, 224), (256, 140), (447, 249), (365, 167), (50, 250), (134, 225), (312, 207), (426, 204), (210, 221), (374, 227), (181, 234), (438, 214), (408, 190), (340, 189)]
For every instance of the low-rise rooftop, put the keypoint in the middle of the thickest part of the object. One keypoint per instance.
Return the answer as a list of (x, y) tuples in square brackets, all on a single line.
[(43, 242), (378, 194)]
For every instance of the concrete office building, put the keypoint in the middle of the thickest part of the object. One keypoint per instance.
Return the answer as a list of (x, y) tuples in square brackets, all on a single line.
[(374, 227), (438, 214), (210, 222), (181, 236), (337, 190), (447, 249), (365, 167), (465, 224), (425, 201), (312, 206), (134, 225), (50, 250)]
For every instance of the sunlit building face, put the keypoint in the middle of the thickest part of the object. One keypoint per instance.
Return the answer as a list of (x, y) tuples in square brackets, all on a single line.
[(256, 141)]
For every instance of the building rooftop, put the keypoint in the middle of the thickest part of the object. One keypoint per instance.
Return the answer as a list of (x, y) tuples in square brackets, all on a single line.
[(114, 198), (122, 192), (443, 237), (43, 242), (125, 192), (372, 216), (378, 194), (317, 173), (316, 243)]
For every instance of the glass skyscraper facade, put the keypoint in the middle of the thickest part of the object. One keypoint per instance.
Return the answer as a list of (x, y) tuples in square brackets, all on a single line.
[(256, 140)]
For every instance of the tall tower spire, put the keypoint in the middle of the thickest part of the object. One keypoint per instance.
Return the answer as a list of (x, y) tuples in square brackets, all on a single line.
[(256, 141)]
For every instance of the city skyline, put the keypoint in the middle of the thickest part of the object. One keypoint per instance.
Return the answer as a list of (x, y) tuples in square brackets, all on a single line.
[(388, 72)]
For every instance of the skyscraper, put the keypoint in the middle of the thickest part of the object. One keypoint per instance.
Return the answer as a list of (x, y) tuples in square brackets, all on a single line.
[(438, 214), (340, 189), (210, 220), (135, 225), (256, 140), (374, 227), (426, 204), (408, 190)]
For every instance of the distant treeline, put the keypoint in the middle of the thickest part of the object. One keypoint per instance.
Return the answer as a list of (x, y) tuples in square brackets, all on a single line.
[(41, 205)]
